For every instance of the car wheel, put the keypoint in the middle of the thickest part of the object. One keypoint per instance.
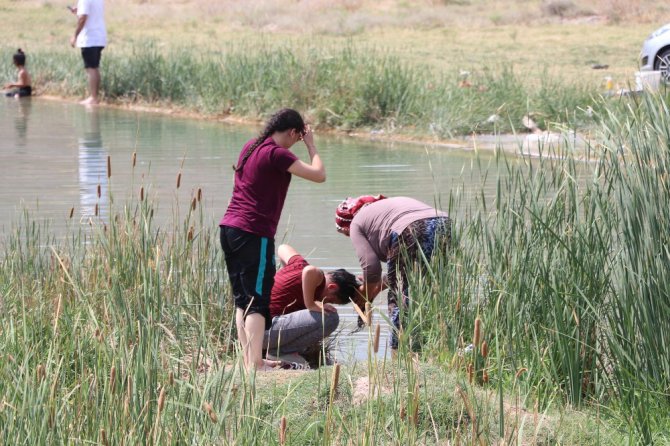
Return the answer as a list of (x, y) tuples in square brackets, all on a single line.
[(662, 64)]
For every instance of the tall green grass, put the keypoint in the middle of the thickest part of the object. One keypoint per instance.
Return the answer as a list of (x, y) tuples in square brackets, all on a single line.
[(346, 88), (121, 333), (567, 268)]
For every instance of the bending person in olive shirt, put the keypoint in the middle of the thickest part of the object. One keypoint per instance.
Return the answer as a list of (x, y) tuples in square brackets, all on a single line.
[(300, 303)]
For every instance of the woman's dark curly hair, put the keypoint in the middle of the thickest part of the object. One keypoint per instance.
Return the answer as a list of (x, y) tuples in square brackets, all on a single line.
[(283, 120)]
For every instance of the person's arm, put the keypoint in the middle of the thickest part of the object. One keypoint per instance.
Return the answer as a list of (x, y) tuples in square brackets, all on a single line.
[(369, 290), (315, 170), (311, 279), (285, 252), (370, 263), (81, 21)]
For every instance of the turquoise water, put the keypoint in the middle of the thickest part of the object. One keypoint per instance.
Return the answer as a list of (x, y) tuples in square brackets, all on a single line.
[(53, 156)]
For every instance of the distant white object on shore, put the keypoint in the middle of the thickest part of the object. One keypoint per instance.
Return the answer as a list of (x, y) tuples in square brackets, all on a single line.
[(647, 81)]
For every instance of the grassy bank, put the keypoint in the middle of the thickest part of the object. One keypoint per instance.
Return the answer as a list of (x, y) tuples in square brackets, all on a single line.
[(121, 332), (350, 65), (566, 269), (344, 88)]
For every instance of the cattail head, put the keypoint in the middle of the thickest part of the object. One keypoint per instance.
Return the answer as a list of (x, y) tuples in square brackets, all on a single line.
[(97, 210), (103, 437), (134, 158), (478, 332), (376, 343), (112, 379), (190, 234), (485, 349), (109, 166), (282, 431), (471, 372), (171, 378), (72, 212), (99, 190), (161, 400), (178, 180), (415, 415), (199, 195), (142, 193), (210, 412), (336, 379), (193, 203), (485, 376), (41, 373)]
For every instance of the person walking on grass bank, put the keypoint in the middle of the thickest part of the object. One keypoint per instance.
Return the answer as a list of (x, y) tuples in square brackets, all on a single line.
[(301, 306), (399, 231), (90, 35), (22, 87), (262, 177)]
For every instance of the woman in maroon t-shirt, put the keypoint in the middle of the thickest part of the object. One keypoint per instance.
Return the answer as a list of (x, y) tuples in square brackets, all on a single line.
[(262, 177)]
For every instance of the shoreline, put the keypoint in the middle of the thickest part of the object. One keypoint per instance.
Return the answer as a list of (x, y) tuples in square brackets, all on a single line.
[(519, 144)]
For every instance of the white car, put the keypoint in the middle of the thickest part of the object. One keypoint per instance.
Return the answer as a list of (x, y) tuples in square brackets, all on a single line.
[(655, 54)]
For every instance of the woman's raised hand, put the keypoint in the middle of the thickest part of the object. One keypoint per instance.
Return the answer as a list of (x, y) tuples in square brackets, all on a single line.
[(308, 137)]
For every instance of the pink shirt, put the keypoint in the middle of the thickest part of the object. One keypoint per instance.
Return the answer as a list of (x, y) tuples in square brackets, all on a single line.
[(260, 189)]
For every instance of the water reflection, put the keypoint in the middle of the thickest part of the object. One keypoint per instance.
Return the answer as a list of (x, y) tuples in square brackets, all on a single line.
[(92, 168), (21, 122)]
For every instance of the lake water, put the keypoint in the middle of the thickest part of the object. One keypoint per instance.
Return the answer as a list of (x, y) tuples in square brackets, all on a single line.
[(53, 155)]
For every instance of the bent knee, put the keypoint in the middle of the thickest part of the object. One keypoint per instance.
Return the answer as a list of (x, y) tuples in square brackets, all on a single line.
[(330, 322)]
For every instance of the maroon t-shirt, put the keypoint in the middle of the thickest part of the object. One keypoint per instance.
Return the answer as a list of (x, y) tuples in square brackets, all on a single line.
[(260, 189), (287, 294)]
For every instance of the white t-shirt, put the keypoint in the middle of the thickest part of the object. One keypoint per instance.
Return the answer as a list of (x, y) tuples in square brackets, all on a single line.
[(94, 32)]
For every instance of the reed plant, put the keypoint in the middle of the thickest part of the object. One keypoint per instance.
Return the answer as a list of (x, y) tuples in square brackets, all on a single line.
[(120, 332), (565, 268)]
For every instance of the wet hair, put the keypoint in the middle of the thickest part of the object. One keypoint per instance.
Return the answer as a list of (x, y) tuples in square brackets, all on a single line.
[(283, 120), (346, 285), (19, 58)]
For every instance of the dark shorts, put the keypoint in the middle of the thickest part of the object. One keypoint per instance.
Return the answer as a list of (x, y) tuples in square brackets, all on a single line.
[(91, 56), (251, 269), (23, 92)]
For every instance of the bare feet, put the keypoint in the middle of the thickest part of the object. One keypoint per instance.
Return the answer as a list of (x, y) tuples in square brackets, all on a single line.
[(268, 366), (89, 101)]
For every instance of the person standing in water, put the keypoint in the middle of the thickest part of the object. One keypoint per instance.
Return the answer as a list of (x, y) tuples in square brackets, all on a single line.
[(22, 88), (90, 35), (262, 177)]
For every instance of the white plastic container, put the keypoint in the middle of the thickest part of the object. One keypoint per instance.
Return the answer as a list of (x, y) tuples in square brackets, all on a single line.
[(647, 80)]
